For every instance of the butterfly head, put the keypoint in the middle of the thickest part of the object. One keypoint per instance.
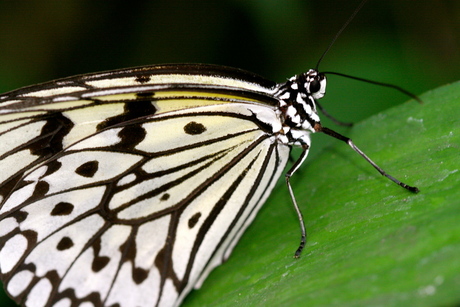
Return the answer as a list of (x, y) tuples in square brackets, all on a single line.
[(314, 83)]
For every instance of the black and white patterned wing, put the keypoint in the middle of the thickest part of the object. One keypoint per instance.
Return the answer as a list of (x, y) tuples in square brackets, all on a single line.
[(137, 205)]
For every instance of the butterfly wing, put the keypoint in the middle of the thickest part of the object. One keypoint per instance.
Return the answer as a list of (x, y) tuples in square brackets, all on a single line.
[(132, 182)]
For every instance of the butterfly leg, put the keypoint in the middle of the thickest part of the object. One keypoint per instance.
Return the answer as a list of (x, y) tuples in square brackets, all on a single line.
[(355, 148), (303, 238)]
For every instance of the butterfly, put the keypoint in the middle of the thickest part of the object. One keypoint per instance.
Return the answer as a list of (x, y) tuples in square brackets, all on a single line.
[(142, 180)]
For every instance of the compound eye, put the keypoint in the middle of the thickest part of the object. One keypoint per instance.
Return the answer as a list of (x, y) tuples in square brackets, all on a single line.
[(315, 86)]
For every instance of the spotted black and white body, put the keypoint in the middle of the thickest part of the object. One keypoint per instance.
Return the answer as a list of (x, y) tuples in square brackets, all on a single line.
[(126, 188), (297, 107)]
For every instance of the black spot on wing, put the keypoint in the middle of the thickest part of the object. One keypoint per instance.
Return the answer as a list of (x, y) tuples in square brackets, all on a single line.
[(193, 220), (193, 128), (139, 275), (99, 262), (88, 169), (20, 216), (130, 136), (142, 79), (64, 244), (62, 208), (132, 110), (40, 191), (51, 167), (50, 140), (164, 197)]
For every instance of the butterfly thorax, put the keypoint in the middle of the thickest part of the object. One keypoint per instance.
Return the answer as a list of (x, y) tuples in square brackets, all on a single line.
[(297, 106)]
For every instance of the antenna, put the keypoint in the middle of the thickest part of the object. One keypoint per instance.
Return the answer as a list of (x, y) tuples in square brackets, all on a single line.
[(395, 87), (340, 32)]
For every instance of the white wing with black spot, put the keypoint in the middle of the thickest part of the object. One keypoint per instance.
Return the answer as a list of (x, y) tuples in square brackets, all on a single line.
[(117, 185)]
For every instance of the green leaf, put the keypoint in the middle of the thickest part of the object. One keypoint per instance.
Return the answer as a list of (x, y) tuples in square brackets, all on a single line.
[(370, 242)]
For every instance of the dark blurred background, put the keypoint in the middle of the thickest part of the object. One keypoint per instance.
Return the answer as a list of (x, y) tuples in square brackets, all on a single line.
[(413, 44)]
